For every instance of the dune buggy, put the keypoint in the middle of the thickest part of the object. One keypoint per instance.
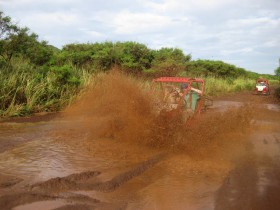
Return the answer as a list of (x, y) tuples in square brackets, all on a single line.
[(182, 96), (262, 87)]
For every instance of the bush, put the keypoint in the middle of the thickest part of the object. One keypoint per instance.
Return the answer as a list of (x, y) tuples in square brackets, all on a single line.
[(169, 61), (215, 68), (65, 75), (277, 93), (133, 57)]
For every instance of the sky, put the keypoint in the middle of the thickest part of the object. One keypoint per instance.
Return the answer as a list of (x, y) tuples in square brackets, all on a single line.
[(245, 33)]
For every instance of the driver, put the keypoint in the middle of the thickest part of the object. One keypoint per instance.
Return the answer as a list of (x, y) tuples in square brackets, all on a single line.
[(184, 86)]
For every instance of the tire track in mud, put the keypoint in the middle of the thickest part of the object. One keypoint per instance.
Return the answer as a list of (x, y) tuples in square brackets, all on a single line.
[(53, 189), (238, 186), (255, 182), (10, 201), (64, 183), (8, 181), (126, 176), (16, 199), (80, 181)]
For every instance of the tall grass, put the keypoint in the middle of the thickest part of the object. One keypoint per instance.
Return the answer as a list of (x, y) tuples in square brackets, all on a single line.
[(25, 89), (219, 86), (274, 82)]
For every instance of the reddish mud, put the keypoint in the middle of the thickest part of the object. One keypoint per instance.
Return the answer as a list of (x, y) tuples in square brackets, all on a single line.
[(110, 150)]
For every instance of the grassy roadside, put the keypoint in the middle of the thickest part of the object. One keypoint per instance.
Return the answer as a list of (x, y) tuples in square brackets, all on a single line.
[(27, 90), (218, 86)]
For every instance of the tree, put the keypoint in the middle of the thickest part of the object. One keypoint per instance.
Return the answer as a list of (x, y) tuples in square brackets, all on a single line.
[(169, 61), (104, 56), (215, 68), (132, 56), (16, 41), (7, 29), (6, 26)]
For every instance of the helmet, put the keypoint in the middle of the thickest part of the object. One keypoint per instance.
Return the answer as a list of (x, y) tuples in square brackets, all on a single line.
[(184, 86)]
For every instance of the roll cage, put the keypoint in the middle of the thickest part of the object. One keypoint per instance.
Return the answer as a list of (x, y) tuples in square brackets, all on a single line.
[(191, 96)]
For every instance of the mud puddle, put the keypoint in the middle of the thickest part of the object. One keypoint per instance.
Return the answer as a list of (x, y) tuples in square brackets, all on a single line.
[(111, 153), (224, 105)]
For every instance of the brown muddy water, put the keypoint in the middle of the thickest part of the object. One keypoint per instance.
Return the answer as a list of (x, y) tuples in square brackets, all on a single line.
[(109, 150)]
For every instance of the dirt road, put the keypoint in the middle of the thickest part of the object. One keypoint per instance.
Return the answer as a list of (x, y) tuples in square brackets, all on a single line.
[(80, 162)]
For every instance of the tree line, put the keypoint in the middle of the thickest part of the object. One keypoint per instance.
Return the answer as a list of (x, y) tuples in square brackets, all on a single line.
[(28, 64)]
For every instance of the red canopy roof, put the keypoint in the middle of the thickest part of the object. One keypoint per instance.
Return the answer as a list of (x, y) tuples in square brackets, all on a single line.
[(178, 79)]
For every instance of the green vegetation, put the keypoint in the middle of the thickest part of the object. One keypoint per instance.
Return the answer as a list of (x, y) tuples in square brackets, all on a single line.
[(26, 89), (218, 86), (36, 77), (277, 93), (277, 73)]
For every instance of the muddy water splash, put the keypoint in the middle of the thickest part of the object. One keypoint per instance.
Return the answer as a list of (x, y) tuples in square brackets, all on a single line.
[(121, 108), (117, 107)]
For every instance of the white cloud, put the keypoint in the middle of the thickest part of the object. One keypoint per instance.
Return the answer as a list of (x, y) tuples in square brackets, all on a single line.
[(254, 21), (92, 33), (30, 2), (186, 5), (272, 43), (126, 22), (55, 19), (242, 51)]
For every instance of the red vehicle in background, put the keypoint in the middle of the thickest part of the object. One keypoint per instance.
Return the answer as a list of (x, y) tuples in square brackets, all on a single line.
[(262, 87)]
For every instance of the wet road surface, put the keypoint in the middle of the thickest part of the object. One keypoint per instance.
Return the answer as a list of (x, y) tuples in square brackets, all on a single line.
[(55, 164)]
